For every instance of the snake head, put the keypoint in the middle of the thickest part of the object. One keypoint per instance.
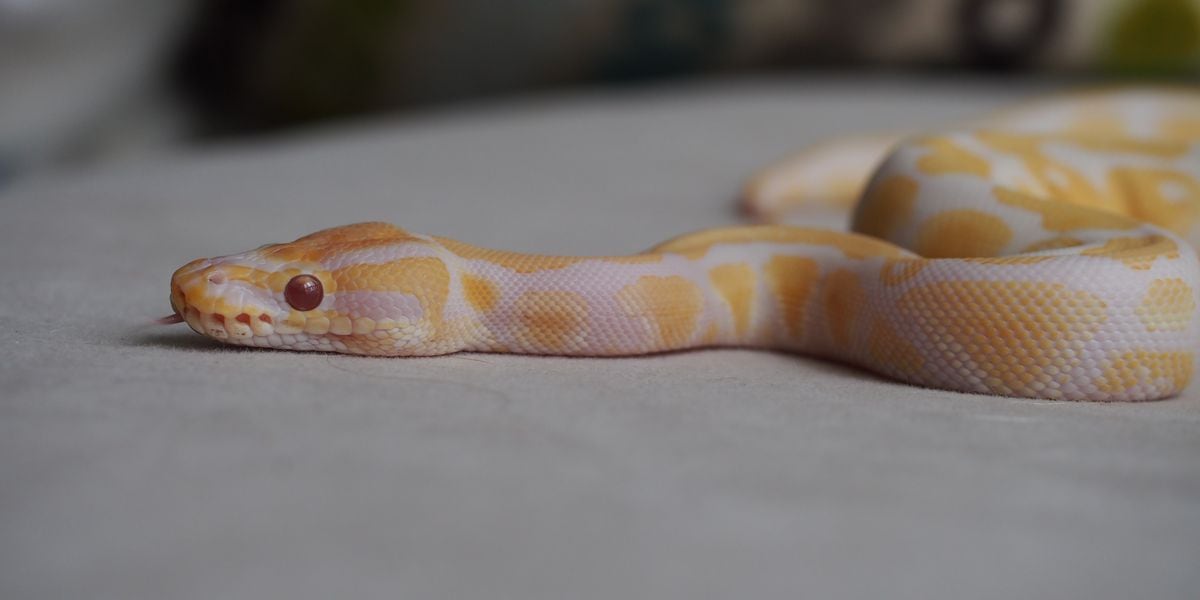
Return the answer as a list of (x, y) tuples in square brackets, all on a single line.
[(369, 288)]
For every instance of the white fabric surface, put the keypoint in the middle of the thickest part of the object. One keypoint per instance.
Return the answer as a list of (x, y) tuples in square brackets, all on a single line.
[(146, 462)]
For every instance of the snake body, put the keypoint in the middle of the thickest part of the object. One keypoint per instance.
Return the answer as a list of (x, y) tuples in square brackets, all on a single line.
[(1042, 252)]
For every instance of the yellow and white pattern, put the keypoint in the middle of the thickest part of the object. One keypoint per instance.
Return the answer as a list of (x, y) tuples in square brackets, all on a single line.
[(1043, 252)]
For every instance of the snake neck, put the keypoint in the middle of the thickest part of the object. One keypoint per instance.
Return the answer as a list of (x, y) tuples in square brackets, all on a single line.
[(716, 295)]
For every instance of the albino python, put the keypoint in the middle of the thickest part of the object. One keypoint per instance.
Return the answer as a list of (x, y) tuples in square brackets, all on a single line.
[(1042, 252)]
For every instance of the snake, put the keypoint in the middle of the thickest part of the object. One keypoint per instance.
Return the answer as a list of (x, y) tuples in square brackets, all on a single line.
[(1047, 251)]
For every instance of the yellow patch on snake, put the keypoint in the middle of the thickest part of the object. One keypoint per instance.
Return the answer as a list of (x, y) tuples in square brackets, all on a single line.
[(736, 284), (1167, 198), (292, 323), (1029, 146), (842, 297), (278, 280), (347, 238), (671, 305), (316, 325), (1181, 128), (1020, 337), (1143, 366), (242, 273), (852, 245), (886, 206), (1061, 216), (1160, 148), (533, 263), (364, 325), (1096, 120), (341, 325), (947, 157), (400, 275), (214, 306), (481, 293), (842, 190), (895, 272), (356, 232), (887, 348), (1138, 253), (1055, 179), (1009, 260), (859, 247), (550, 321), (791, 280), (425, 278), (1169, 305), (1054, 243), (962, 233)]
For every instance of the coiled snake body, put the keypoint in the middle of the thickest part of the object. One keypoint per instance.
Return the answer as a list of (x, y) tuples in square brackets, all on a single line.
[(1042, 252)]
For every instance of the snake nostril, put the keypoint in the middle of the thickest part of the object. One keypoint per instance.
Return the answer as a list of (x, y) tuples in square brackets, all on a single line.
[(216, 278)]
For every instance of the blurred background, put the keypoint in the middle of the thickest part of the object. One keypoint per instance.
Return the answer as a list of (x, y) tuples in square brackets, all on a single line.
[(90, 80)]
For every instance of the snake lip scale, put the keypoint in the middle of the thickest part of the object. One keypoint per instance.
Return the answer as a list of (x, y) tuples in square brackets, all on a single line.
[(1047, 251)]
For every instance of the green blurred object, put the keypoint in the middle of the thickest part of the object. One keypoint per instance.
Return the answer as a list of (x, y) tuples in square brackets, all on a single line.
[(1155, 36)]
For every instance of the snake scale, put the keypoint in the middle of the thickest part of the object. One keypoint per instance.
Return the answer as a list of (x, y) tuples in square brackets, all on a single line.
[(1047, 251)]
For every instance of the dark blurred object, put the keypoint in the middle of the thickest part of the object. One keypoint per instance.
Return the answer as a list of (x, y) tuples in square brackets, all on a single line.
[(268, 63), (83, 78)]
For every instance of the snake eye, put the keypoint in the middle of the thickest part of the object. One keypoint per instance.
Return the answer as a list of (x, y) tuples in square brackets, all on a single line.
[(304, 292)]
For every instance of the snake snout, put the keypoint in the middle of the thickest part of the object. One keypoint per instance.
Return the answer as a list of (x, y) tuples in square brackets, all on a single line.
[(215, 300)]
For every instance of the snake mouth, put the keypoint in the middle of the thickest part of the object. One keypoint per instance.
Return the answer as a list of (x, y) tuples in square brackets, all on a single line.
[(225, 325), (232, 328)]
